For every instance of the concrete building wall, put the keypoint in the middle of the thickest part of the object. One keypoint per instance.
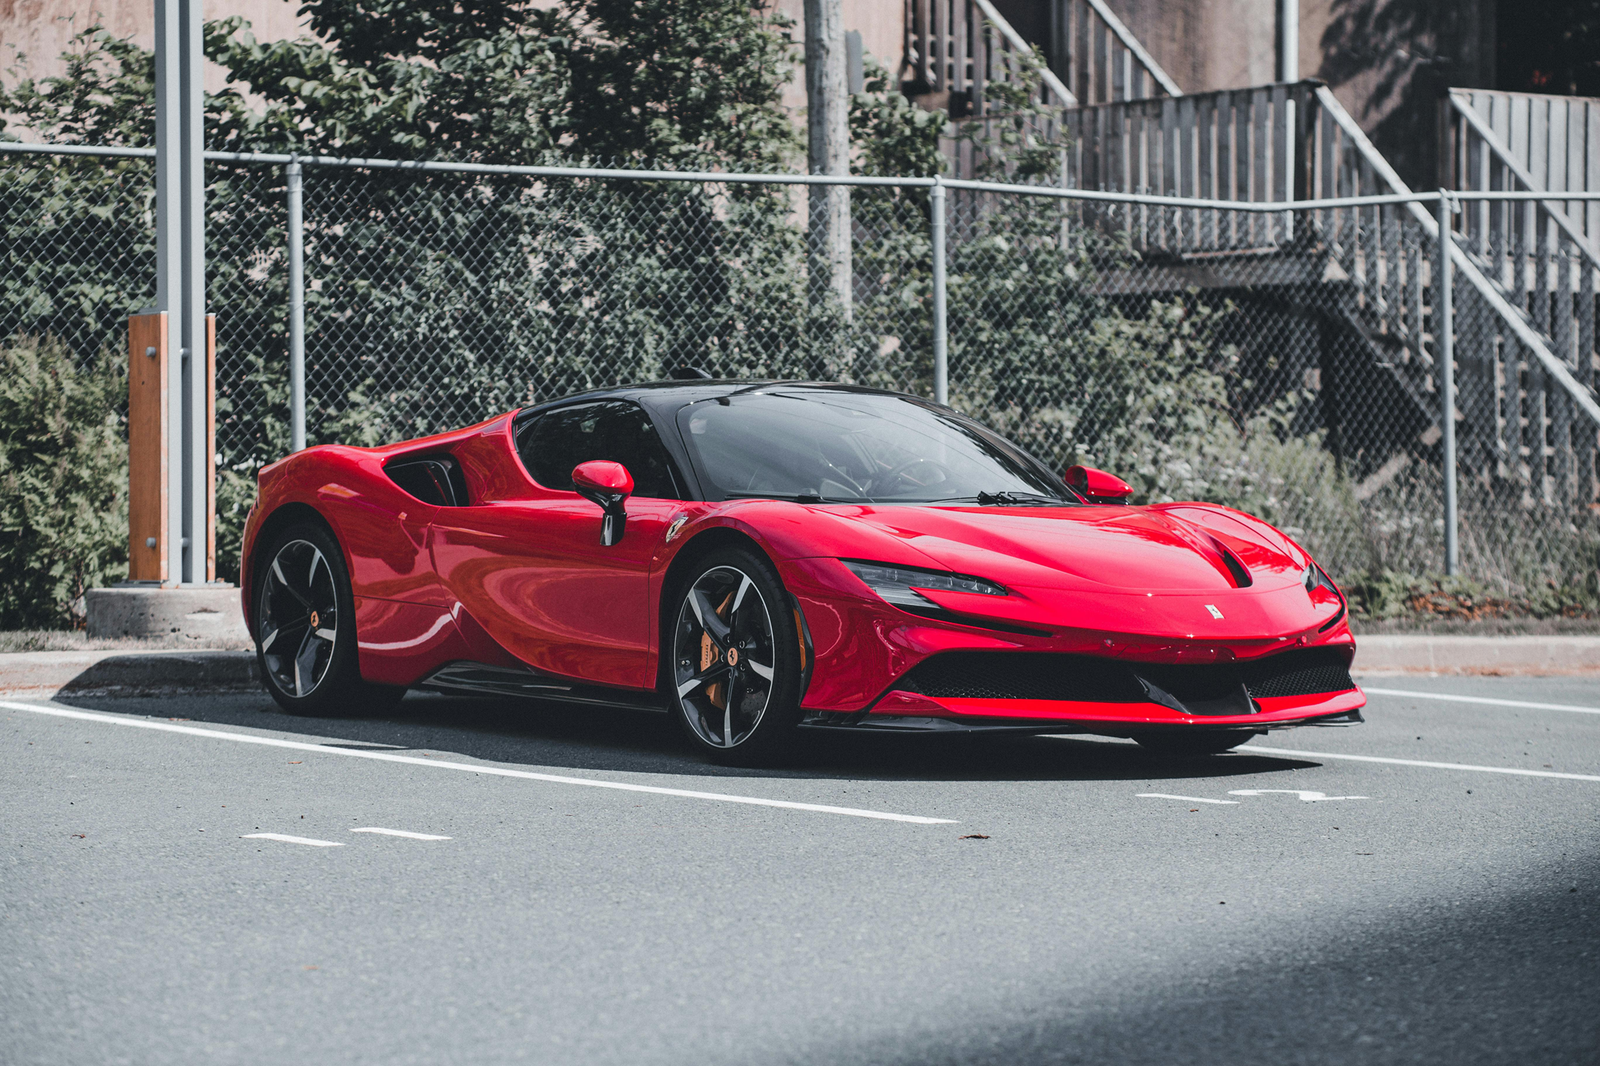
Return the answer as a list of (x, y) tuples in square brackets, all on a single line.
[(1386, 60), (43, 29)]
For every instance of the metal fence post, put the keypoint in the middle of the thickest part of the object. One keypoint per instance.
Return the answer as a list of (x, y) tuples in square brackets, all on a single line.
[(297, 309), (941, 350), (1444, 329)]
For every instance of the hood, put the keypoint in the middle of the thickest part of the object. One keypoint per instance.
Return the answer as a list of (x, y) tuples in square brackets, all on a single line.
[(1164, 549)]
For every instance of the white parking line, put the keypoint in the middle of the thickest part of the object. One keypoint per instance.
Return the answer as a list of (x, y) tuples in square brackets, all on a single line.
[(307, 841), (1479, 699), (1259, 750), (399, 833), (1186, 799), (1306, 795), (490, 771)]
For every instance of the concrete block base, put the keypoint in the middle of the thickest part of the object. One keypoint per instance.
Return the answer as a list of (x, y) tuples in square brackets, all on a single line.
[(204, 615), (1421, 653)]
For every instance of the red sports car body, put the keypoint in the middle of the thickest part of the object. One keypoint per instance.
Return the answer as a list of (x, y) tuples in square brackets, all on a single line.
[(468, 572)]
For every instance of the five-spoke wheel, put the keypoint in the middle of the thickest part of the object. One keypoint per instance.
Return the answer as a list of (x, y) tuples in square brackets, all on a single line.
[(735, 659), (298, 615), (305, 627)]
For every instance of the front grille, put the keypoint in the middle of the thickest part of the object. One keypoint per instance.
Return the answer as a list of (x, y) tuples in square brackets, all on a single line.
[(1303, 672), (1048, 676), (1022, 675)]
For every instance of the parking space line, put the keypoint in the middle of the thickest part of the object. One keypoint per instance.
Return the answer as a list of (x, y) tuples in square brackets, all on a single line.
[(1485, 700), (309, 842), (399, 833), (1256, 749), (489, 771), (1186, 799)]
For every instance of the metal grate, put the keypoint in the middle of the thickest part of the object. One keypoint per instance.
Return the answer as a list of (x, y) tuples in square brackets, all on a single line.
[(1052, 676), (1303, 672)]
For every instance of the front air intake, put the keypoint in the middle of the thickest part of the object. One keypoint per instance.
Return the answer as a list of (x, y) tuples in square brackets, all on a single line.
[(1000, 675)]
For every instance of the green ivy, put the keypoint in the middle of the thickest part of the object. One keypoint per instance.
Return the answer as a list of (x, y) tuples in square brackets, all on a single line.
[(63, 481)]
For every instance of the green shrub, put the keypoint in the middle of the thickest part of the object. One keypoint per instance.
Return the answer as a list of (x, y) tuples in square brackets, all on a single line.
[(63, 481)]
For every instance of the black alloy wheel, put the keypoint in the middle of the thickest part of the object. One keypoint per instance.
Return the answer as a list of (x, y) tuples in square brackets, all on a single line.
[(735, 668), (305, 628)]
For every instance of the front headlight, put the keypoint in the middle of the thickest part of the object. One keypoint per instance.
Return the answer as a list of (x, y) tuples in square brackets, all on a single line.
[(899, 584), (1316, 578)]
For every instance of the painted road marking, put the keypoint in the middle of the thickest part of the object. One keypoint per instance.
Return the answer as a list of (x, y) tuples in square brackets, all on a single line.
[(489, 771), (1305, 794), (399, 833), (307, 841), (1480, 699), (1186, 799), (1258, 750)]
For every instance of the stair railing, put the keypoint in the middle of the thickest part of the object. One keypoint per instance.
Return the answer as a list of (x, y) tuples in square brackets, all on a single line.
[(955, 48), (1517, 395)]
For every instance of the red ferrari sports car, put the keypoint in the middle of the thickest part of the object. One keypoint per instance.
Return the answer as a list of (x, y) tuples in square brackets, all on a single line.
[(757, 557)]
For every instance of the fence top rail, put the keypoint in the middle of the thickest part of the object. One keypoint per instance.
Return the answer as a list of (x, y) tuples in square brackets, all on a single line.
[(1095, 195)]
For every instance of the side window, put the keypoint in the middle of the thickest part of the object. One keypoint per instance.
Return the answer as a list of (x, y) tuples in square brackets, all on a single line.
[(556, 441)]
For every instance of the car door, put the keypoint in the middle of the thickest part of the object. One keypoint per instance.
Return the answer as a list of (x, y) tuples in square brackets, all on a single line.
[(533, 571)]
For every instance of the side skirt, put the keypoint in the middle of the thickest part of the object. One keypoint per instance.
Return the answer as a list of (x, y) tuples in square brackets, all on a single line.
[(478, 679), (863, 722)]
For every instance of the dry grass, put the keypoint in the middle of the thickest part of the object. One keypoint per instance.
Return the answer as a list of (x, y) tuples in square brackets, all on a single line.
[(76, 640)]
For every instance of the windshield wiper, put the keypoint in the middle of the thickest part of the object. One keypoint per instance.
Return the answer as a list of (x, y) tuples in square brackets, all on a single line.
[(792, 497), (1009, 499)]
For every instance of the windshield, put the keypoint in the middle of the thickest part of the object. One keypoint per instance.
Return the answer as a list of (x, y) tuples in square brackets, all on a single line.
[(848, 447)]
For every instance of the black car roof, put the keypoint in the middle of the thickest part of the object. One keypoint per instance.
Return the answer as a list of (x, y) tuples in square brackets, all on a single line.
[(671, 395)]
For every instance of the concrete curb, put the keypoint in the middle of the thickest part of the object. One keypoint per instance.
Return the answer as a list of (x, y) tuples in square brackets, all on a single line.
[(1526, 656), (156, 673), (124, 673)]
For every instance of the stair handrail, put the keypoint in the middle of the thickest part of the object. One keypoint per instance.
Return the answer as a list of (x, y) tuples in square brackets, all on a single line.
[(1502, 152), (1023, 48), (1555, 367), (1131, 43)]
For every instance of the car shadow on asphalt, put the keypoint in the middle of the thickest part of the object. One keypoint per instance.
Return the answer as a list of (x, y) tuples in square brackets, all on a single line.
[(561, 736)]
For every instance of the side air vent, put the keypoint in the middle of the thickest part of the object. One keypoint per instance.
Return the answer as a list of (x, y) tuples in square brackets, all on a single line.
[(434, 479)]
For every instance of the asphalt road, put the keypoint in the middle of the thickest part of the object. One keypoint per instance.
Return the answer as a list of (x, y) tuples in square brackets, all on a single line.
[(1428, 914)]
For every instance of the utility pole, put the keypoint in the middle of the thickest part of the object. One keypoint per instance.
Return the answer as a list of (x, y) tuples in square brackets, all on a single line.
[(181, 280), (171, 348), (828, 150), (1288, 40)]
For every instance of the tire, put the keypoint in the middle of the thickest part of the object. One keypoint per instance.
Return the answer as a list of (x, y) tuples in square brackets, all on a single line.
[(1189, 743), (300, 581), (733, 679)]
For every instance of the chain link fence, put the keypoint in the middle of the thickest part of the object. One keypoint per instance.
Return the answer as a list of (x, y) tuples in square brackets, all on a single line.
[(1280, 361)]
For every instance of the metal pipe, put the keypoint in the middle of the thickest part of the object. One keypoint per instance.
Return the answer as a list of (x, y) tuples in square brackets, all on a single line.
[(941, 347), (1288, 40), (297, 310), (1444, 329), (1099, 196), (169, 269), (197, 471)]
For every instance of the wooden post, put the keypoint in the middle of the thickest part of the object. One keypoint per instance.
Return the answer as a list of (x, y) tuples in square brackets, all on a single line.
[(147, 447), (148, 455)]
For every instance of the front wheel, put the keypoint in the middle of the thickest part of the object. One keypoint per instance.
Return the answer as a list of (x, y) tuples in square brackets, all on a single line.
[(735, 667), (306, 628), (1190, 743)]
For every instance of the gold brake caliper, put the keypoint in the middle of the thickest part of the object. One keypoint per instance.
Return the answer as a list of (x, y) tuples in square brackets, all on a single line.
[(709, 654)]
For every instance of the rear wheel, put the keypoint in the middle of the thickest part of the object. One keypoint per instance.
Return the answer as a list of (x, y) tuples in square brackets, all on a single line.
[(306, 628), (1193, 743), (735, 668)]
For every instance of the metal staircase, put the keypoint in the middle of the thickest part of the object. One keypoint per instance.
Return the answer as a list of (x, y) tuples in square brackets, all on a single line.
[(1526, 272)]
